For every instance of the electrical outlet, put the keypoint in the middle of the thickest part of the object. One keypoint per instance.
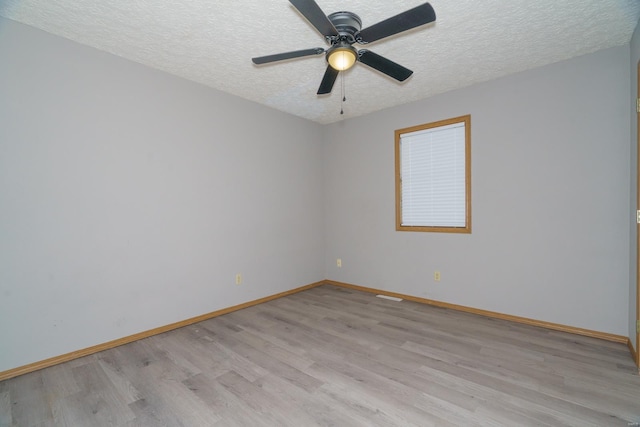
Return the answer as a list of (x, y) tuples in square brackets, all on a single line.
[(238, 279), (436, 276), (339, 262)]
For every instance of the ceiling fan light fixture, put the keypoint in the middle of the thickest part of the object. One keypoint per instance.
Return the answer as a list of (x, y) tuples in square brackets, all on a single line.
[(342, 57)]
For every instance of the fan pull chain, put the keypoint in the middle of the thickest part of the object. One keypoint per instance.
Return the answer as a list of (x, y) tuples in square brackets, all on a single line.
[(344, 98)]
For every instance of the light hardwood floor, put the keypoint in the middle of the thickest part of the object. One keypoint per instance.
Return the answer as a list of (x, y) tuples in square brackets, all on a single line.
[(337, 357)]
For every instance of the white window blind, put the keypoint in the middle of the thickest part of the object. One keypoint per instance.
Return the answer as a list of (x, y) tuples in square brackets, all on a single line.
[(433, 177)]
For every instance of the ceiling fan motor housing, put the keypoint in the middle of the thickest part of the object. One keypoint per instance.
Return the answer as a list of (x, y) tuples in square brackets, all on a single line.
[(347, 24)]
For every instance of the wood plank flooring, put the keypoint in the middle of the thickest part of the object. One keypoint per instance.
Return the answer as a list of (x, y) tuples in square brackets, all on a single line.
[(331, 356)]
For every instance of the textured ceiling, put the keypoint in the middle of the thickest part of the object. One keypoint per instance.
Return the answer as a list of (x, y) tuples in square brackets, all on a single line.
[(212, 42)]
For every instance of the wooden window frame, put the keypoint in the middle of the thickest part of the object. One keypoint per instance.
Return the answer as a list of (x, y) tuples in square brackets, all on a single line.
[(439, 229)]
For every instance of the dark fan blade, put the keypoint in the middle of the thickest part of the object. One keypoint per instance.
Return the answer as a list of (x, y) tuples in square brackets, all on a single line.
[(328, 80), (315, 16), (384, 65), (287, 55), (404, 21)]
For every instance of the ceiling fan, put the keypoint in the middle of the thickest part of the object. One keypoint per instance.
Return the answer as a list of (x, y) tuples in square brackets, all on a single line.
[(342, 29)]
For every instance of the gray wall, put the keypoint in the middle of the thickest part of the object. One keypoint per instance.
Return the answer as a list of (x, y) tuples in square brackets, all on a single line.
[(633, 251), (550, 196), (130, 198)]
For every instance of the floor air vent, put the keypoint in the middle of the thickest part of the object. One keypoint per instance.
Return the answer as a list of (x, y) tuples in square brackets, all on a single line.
[(388, 297)]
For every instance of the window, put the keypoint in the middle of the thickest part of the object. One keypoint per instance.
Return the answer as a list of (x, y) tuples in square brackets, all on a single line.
[(433, 177)]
